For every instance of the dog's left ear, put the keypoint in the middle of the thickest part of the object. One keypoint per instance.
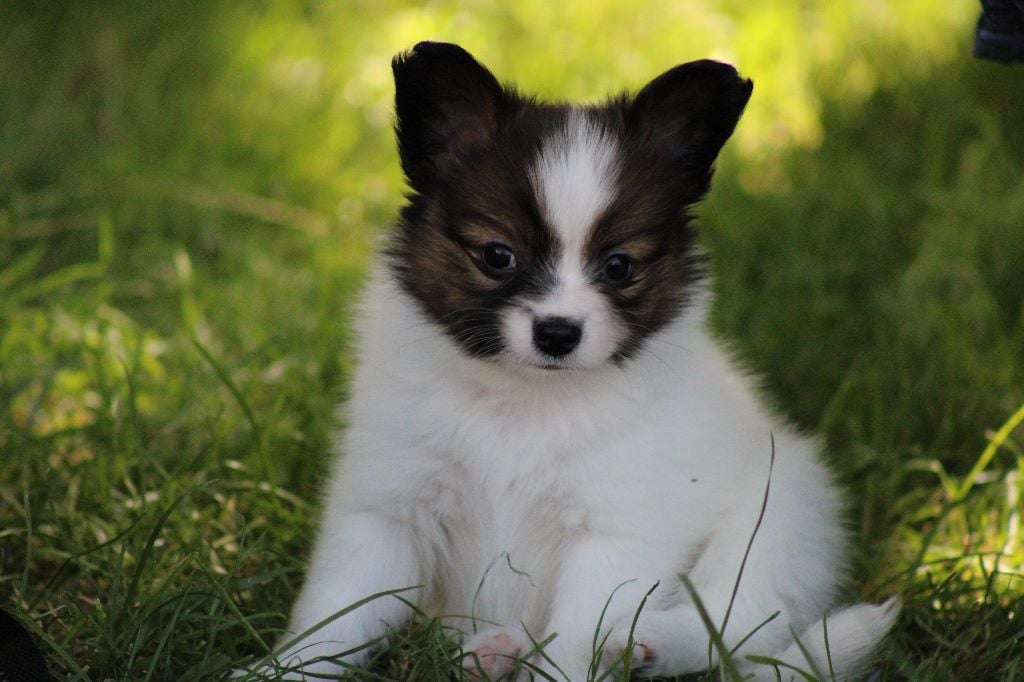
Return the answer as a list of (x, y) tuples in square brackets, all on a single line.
[(446, 105), (688, 113)]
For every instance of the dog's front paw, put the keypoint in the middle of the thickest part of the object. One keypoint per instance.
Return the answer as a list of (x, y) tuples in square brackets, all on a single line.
[(641, 652), (491, 654), (663, 644)]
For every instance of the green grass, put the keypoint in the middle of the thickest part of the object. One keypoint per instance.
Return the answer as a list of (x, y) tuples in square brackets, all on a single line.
[(189, 193)]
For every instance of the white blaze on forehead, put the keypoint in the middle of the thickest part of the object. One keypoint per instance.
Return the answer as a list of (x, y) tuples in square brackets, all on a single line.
[(574, 179)]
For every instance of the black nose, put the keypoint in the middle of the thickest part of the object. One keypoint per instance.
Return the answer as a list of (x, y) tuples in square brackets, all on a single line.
[(556, 336)]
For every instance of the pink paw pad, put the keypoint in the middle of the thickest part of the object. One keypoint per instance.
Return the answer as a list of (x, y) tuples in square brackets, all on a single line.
[(643, 655), (491, 654)]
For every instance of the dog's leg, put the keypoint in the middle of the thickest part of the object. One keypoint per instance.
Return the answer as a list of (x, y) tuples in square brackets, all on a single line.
[(603, 581), (780, 584), (357, 555), (787, 582)]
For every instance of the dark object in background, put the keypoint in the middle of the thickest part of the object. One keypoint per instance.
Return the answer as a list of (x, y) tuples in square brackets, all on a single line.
[(1000, 34), (20, 660)]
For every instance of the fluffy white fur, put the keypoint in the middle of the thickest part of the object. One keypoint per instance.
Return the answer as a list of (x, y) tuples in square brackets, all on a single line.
[(555, 489), (523, 501)]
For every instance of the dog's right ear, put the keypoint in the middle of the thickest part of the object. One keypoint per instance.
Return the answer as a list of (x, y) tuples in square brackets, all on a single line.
[(447, 104)]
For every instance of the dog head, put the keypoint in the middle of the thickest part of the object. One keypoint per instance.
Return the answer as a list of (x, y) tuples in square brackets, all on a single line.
[(550, 235)]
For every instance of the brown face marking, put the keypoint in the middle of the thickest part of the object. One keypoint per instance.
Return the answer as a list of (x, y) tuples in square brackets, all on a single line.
[(648, 221), (436, 251)]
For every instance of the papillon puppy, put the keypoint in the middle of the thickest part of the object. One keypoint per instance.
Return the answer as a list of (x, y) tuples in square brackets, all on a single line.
[(544, 442)]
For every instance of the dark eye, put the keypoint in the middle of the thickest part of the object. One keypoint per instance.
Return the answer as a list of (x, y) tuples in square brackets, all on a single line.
[(618, 268), (499, 258)]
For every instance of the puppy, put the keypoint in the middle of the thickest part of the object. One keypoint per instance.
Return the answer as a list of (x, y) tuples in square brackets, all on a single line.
[(542, 432)]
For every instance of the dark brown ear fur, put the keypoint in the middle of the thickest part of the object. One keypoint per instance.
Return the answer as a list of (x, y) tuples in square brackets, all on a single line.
[(447, 104), (688, 113)]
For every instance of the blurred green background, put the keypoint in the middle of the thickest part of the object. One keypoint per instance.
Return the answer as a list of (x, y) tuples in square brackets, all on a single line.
[(190, 191)]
